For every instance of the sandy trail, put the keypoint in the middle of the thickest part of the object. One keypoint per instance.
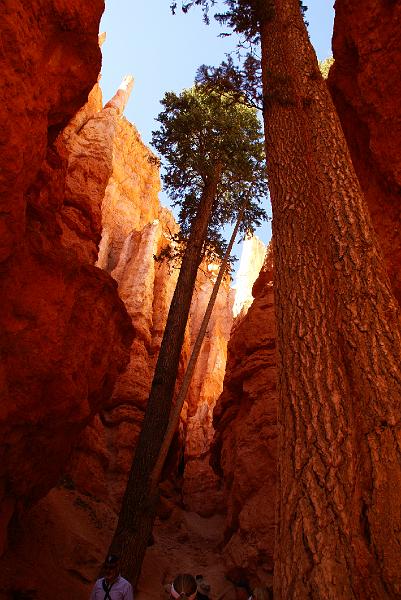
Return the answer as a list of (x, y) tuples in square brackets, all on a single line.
[(185, 543)]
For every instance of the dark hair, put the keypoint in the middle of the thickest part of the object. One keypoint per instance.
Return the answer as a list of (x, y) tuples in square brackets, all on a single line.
[(111, 560), (185, 585)]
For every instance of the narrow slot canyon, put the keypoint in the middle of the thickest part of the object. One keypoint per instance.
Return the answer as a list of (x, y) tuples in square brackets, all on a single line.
[(82, 508), (84, 303)]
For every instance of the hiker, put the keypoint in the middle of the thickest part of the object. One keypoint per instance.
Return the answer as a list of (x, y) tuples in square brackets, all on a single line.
[(203, 588), (184, 587), (112, 586)]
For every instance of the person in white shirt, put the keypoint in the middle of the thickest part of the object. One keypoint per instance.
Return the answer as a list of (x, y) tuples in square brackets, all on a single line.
[(112, 586)]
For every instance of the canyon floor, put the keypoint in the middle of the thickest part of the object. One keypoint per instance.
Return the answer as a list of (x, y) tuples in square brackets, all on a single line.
[(59, 544)]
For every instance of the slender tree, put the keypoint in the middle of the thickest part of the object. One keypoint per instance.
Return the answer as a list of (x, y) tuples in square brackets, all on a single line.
[(339, 515), (214, 158), (189, 371)]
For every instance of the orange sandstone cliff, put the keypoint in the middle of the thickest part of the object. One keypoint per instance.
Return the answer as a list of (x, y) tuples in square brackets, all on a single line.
[(366, 88), (135, 229), (112, 173), (244, 446), (64, 331)]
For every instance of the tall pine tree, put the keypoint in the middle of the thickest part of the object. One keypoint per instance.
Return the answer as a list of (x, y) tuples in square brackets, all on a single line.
[(339, 515), (214, 159)]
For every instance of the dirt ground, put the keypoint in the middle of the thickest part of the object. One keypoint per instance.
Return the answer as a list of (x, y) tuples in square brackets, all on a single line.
[(59, 545)]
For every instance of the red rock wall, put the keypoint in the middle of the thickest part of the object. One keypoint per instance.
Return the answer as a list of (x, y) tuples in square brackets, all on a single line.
[(366, 87), (64, 331), (135, 227), (50, 60), (244, 447), (202, 489)]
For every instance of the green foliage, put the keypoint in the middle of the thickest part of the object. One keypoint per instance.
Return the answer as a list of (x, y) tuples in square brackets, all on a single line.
[(246, 16), (242, 16), (202, 131), (242, 79), (243, 82)]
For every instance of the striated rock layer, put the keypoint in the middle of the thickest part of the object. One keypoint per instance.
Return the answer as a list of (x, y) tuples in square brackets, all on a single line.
[(366, 88), (123, 194), (134, 229), (244, 446), (64, 332), (202, 488)]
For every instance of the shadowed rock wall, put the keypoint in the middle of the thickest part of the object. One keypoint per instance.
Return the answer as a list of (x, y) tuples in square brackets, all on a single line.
[(64, 332), (366, 87), (111, 170), (244, 445)]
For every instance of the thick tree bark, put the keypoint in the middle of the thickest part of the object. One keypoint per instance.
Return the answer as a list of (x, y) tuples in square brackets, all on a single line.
[(138, 508), (339, 512)]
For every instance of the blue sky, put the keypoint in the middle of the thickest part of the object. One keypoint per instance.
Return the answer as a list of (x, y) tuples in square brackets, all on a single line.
[(163, 52)]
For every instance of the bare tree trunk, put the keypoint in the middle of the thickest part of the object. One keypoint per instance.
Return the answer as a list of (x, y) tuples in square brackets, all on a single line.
[(138, 508), (186, 382), (339, 513)]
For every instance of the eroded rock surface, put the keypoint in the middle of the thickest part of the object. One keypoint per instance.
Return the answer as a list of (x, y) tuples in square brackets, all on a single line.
[(366, 87), (244, 447), (50, 60), (64, 331), (202, 488), (135, 228), (252, 259)]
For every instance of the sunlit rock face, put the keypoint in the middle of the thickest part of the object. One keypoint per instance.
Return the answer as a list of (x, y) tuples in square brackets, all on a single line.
[(366, 88), (252, 258), (244, 446), (50, 62), (64, 331), (131, 197), (202, 488), (135, 230), (83, 143)]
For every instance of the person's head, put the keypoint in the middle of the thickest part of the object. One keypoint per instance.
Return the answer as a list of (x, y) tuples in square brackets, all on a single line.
[(111, 567), (261, 593), (202, 585), (184, 586), (242, 591)]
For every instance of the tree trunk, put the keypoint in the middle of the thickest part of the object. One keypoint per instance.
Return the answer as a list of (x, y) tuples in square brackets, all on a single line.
[(339, 509), (138, 508), (186, 382)]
